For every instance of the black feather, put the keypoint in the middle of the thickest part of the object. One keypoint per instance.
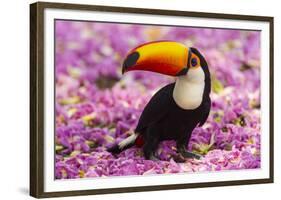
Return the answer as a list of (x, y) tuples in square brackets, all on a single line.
[(205, 111), (156, 108)]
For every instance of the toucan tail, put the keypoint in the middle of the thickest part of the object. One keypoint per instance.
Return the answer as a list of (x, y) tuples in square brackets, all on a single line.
[(124, 144)]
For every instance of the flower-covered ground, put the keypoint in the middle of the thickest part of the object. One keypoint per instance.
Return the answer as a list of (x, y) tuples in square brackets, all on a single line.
[(97, 106)]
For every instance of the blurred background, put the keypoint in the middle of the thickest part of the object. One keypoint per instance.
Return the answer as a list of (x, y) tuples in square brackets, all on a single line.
[(96, 105)]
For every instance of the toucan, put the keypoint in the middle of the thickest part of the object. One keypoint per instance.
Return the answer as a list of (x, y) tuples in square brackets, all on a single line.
[(177, 108)]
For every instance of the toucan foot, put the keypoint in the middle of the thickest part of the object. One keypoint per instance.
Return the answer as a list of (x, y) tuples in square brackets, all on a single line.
[(153, 157), (188, 154), (181, 157)]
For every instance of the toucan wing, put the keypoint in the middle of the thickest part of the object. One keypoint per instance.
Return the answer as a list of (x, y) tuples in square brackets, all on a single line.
[(156, 108), (206, 110)]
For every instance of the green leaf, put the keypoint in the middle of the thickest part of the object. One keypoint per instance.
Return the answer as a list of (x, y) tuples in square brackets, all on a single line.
[(59, 147), (217, 86)]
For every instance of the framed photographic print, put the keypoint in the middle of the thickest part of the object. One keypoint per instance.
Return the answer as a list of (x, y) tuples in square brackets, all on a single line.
[(130, 99)]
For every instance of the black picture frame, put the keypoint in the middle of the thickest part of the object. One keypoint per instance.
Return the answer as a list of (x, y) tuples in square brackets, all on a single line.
[(37, 97)]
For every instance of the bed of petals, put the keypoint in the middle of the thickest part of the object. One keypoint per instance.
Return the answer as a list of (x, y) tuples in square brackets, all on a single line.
[(96, 106)]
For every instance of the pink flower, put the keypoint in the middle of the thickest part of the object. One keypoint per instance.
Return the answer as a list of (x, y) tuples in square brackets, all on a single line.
[(96, 106)]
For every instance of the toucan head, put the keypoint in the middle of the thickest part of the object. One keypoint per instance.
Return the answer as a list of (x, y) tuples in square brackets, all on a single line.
[(165, 57)]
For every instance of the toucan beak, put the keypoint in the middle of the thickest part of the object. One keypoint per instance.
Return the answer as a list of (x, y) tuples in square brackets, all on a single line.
[(165, 57)]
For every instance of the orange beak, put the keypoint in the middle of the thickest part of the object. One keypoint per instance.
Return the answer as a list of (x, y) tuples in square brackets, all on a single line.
[(165, 57)]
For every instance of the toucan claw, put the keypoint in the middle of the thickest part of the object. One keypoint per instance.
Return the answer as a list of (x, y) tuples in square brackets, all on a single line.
[(182, 157), (188, 154)]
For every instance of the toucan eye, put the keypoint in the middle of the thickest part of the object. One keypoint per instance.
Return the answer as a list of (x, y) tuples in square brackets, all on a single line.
[(193, 62)]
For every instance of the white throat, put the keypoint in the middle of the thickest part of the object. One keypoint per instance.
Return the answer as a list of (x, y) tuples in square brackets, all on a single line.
[(189, 89)]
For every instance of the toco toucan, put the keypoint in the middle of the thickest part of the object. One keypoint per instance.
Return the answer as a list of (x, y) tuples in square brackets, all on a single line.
[(176, 109)]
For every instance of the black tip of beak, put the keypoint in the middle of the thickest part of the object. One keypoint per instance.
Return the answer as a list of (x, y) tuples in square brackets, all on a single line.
[(130, 61), (182, 72)]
